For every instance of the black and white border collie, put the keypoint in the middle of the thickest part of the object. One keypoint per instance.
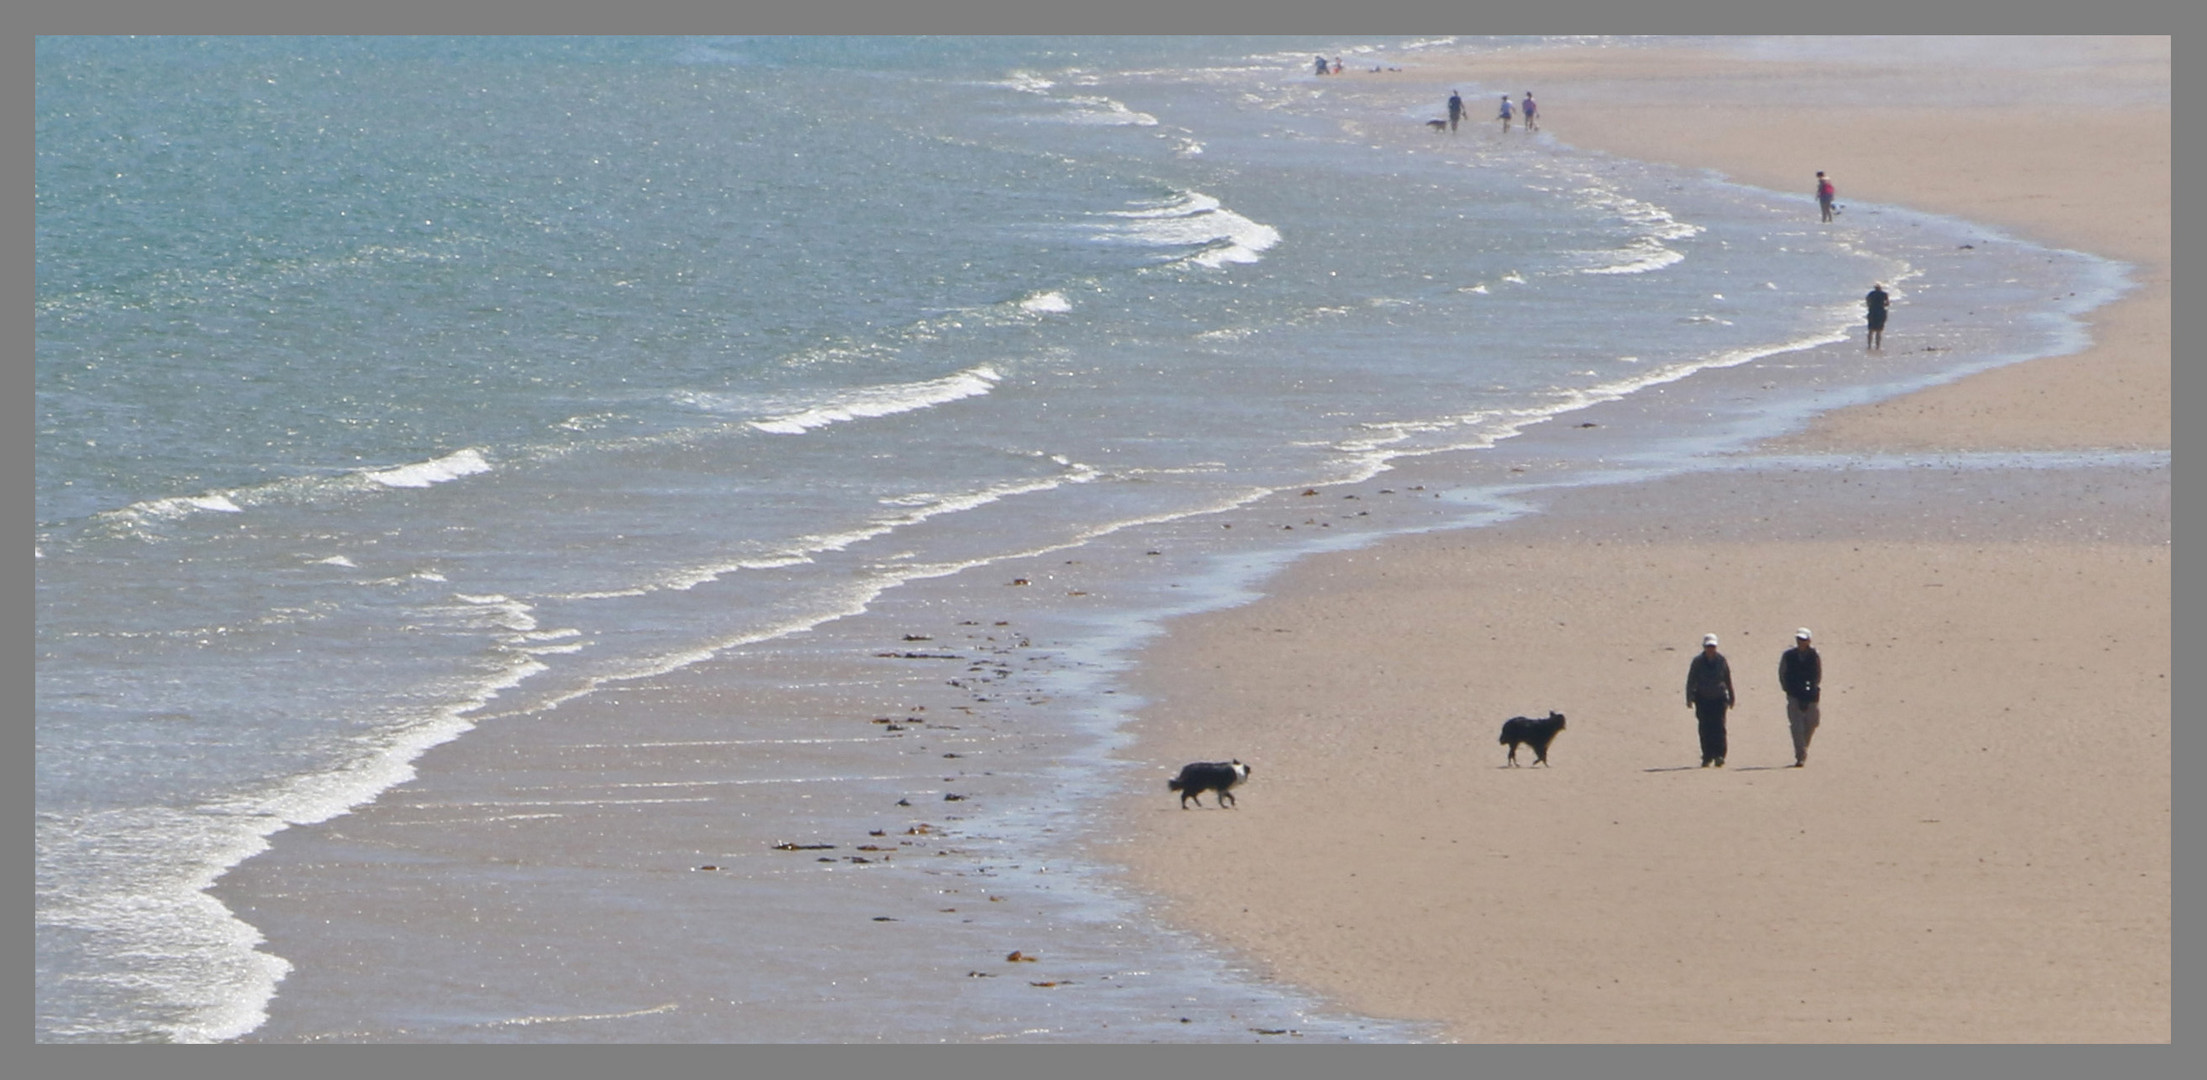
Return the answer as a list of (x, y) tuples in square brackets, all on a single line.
[(1199, 777)]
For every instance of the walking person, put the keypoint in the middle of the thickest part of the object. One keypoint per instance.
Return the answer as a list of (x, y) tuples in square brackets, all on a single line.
[(1531, 111), (1505, 114), (1455, 110), (1876, 301), (1826, 194), (1709, 695), (1801, 674)]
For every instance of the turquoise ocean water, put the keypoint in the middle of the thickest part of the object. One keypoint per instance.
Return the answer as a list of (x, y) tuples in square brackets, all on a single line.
[(387, 385)]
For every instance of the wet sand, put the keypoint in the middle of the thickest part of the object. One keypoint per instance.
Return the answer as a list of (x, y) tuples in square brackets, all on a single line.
[(1979, 848), (596, 872)]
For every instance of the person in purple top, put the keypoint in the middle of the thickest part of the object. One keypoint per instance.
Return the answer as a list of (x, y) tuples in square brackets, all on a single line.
[(1531, 111)]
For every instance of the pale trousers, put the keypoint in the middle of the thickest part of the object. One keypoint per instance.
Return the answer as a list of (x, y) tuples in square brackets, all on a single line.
[(1802, 718)]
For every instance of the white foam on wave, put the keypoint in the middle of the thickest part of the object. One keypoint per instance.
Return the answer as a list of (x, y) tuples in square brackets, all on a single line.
[(1651, 225), (1105, 112), (526, 1021), (181, 505), (1046, 303), (851, 599), (1223, 503), (500, 612), (200, 966), (929, 504), (140, 518), (1579, 398), (1640, 257), (1191, 219), (877, 401), (337, 560), (150, 921), (1381, 444), (217, 502), (919, 507), (423, 474), (1026, 82)]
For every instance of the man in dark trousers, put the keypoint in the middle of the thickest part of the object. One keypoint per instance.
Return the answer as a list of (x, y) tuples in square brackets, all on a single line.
[(1801, 673), (1455, 109), (1709, 694), (1876, 301)]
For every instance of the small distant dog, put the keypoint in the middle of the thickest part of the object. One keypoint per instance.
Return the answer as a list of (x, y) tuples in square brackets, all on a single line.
[(1534, 733), (1437, 125), (1199, 777)]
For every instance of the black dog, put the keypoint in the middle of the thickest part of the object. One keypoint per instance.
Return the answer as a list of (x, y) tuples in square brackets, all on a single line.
[(1202, 776), (1437, 125), (1534, 733)]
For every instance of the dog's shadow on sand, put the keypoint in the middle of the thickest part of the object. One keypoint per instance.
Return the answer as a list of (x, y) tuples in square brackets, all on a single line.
[(1698, 768)]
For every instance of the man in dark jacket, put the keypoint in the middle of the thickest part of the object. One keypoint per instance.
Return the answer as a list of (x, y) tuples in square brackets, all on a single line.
[(1801, 673), (1709, 694), (1876, 300)]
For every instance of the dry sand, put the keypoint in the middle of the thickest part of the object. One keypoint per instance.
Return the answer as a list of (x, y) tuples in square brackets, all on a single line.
[(1979, 850)]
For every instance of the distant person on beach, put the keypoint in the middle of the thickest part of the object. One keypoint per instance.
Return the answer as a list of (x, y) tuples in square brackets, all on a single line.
[(1455, 109), (1321, 65), (1825, 193), (1337, 65), (1709, 695), (1801, 674), (1505, 117), (1876, 301), (1531, 111)]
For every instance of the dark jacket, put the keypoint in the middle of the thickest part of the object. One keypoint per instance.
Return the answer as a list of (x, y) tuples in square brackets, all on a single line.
[(1709, 679), (1801, 673)]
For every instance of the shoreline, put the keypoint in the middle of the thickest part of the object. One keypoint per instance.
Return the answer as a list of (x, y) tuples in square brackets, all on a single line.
[(1906, 886), (1703, 109), (460, 836)]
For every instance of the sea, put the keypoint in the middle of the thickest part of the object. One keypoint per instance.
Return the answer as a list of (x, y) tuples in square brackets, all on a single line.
[(392, 388)]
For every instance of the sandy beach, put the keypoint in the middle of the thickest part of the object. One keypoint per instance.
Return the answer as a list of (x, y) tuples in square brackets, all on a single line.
[(1979, 848), (903, 843)]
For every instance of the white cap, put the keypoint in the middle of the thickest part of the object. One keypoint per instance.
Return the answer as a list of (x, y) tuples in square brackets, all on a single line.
[(1802, 634), (1708, 639)]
